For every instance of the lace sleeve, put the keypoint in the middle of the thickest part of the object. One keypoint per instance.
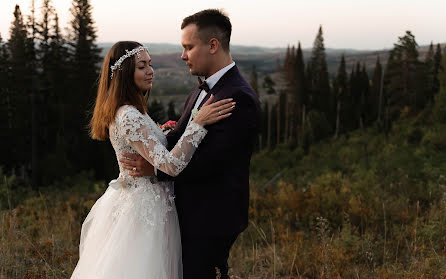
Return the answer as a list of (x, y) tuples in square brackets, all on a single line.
[(135, 128)]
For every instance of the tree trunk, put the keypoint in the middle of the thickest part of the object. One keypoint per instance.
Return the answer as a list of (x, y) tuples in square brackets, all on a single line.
[(278, 119), (287, 117), (302, 133), (338, 112), (268, 133), (364, 142), (380, 96)]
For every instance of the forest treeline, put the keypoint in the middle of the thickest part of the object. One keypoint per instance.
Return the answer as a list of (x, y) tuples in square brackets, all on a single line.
[(49, 77), (312, 106)]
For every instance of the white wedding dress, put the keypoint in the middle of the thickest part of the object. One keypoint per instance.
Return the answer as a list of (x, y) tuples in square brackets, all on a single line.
[(132, 230)]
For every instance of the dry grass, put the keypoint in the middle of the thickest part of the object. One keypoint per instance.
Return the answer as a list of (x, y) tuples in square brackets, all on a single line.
[(39, 240)]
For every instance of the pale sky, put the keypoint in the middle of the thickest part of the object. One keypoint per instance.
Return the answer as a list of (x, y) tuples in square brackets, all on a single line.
[(358, 24)]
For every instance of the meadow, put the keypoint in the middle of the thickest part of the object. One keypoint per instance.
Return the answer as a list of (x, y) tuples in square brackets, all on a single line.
[(360, 206)]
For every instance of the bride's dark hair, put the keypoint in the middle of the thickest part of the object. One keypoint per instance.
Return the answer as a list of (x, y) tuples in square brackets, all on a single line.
[(117, 91)]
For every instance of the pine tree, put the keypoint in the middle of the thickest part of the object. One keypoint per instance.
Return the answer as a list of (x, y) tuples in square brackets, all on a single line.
[(254, 80), (84, 55), (300, 94), (364, 110), (354, 107), (17, 48), (81, 83), (268, 84), (171, 112), (405, 78), (157, 112), (5, 75), (437, 68), (44, 51), (290, 93), (340, 90), (6, 125), (431, 76), (320, 85), (375, 99), (439, 110), (365, 107), (19, 153), (36, 100)]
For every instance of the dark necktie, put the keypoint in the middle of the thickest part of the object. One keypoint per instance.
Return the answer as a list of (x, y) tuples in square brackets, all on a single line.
[(203, 85)]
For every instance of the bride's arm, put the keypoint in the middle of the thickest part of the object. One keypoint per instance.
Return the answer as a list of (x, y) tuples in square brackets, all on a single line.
[(138, 134)]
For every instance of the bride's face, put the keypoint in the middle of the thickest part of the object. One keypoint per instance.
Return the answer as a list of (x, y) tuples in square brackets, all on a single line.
[(143, 71)]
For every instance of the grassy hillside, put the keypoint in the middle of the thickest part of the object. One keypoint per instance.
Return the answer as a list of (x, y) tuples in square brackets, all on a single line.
[(361, 206)]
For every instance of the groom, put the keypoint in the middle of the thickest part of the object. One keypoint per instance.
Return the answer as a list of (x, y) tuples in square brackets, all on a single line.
[(212, 193)]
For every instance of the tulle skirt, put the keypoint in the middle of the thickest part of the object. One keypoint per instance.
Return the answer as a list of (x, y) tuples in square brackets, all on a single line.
[(131, 232)]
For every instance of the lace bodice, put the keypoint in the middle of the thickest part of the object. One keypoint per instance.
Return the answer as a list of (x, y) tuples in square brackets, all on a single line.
[(133, 132)]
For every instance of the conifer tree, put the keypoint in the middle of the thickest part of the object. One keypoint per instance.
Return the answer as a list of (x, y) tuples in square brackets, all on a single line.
[(437, 68), (268, 84), (36, 100), (290, 93), (84, 55), (81, 82), (17, 49), (405, 78), (320, 86), (19, 95), (365, 106), (254, 80), (300, 94), (171, 112), (375, 99), (439, 110), (340, 88), (431, 76), (44, 36), (355, 85), (157, 112), (6, 137), (4, 65)]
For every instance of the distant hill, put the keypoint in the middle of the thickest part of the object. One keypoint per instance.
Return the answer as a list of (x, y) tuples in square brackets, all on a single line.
[(172, 76)]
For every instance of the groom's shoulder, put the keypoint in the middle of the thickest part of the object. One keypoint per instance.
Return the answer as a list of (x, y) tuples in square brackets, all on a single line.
[(243, 91)]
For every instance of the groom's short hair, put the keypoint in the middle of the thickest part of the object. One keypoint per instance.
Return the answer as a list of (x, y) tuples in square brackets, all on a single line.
[(211, 23)]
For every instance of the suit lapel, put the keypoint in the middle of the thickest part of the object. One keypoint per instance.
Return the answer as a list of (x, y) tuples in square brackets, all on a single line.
[(219, 85)]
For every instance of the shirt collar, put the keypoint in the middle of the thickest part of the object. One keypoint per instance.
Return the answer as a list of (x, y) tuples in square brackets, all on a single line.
[(212, 80)]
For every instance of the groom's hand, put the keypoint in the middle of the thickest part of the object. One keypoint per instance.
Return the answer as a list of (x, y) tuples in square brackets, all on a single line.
[(137, 165)]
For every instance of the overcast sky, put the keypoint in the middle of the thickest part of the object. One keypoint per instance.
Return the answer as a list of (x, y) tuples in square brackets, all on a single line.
[(358, 24)]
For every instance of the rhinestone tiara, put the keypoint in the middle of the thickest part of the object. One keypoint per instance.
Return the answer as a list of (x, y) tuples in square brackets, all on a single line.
[(117, 65)]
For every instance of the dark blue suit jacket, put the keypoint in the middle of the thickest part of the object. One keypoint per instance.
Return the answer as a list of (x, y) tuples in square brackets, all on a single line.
[(212, 192)]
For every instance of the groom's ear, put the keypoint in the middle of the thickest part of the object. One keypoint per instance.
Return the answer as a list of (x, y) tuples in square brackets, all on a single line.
[(214, 45)]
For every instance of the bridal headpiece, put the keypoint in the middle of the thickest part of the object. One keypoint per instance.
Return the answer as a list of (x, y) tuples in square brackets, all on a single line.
[(117, 65)]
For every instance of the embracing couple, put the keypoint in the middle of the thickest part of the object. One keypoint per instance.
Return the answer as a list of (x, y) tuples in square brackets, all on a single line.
[(180, 200)]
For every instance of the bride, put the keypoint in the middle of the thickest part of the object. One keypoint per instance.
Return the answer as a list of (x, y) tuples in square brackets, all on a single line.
[(132, 230)]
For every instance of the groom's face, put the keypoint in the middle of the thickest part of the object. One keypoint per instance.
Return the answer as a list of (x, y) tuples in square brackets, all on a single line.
[(195, 52)]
